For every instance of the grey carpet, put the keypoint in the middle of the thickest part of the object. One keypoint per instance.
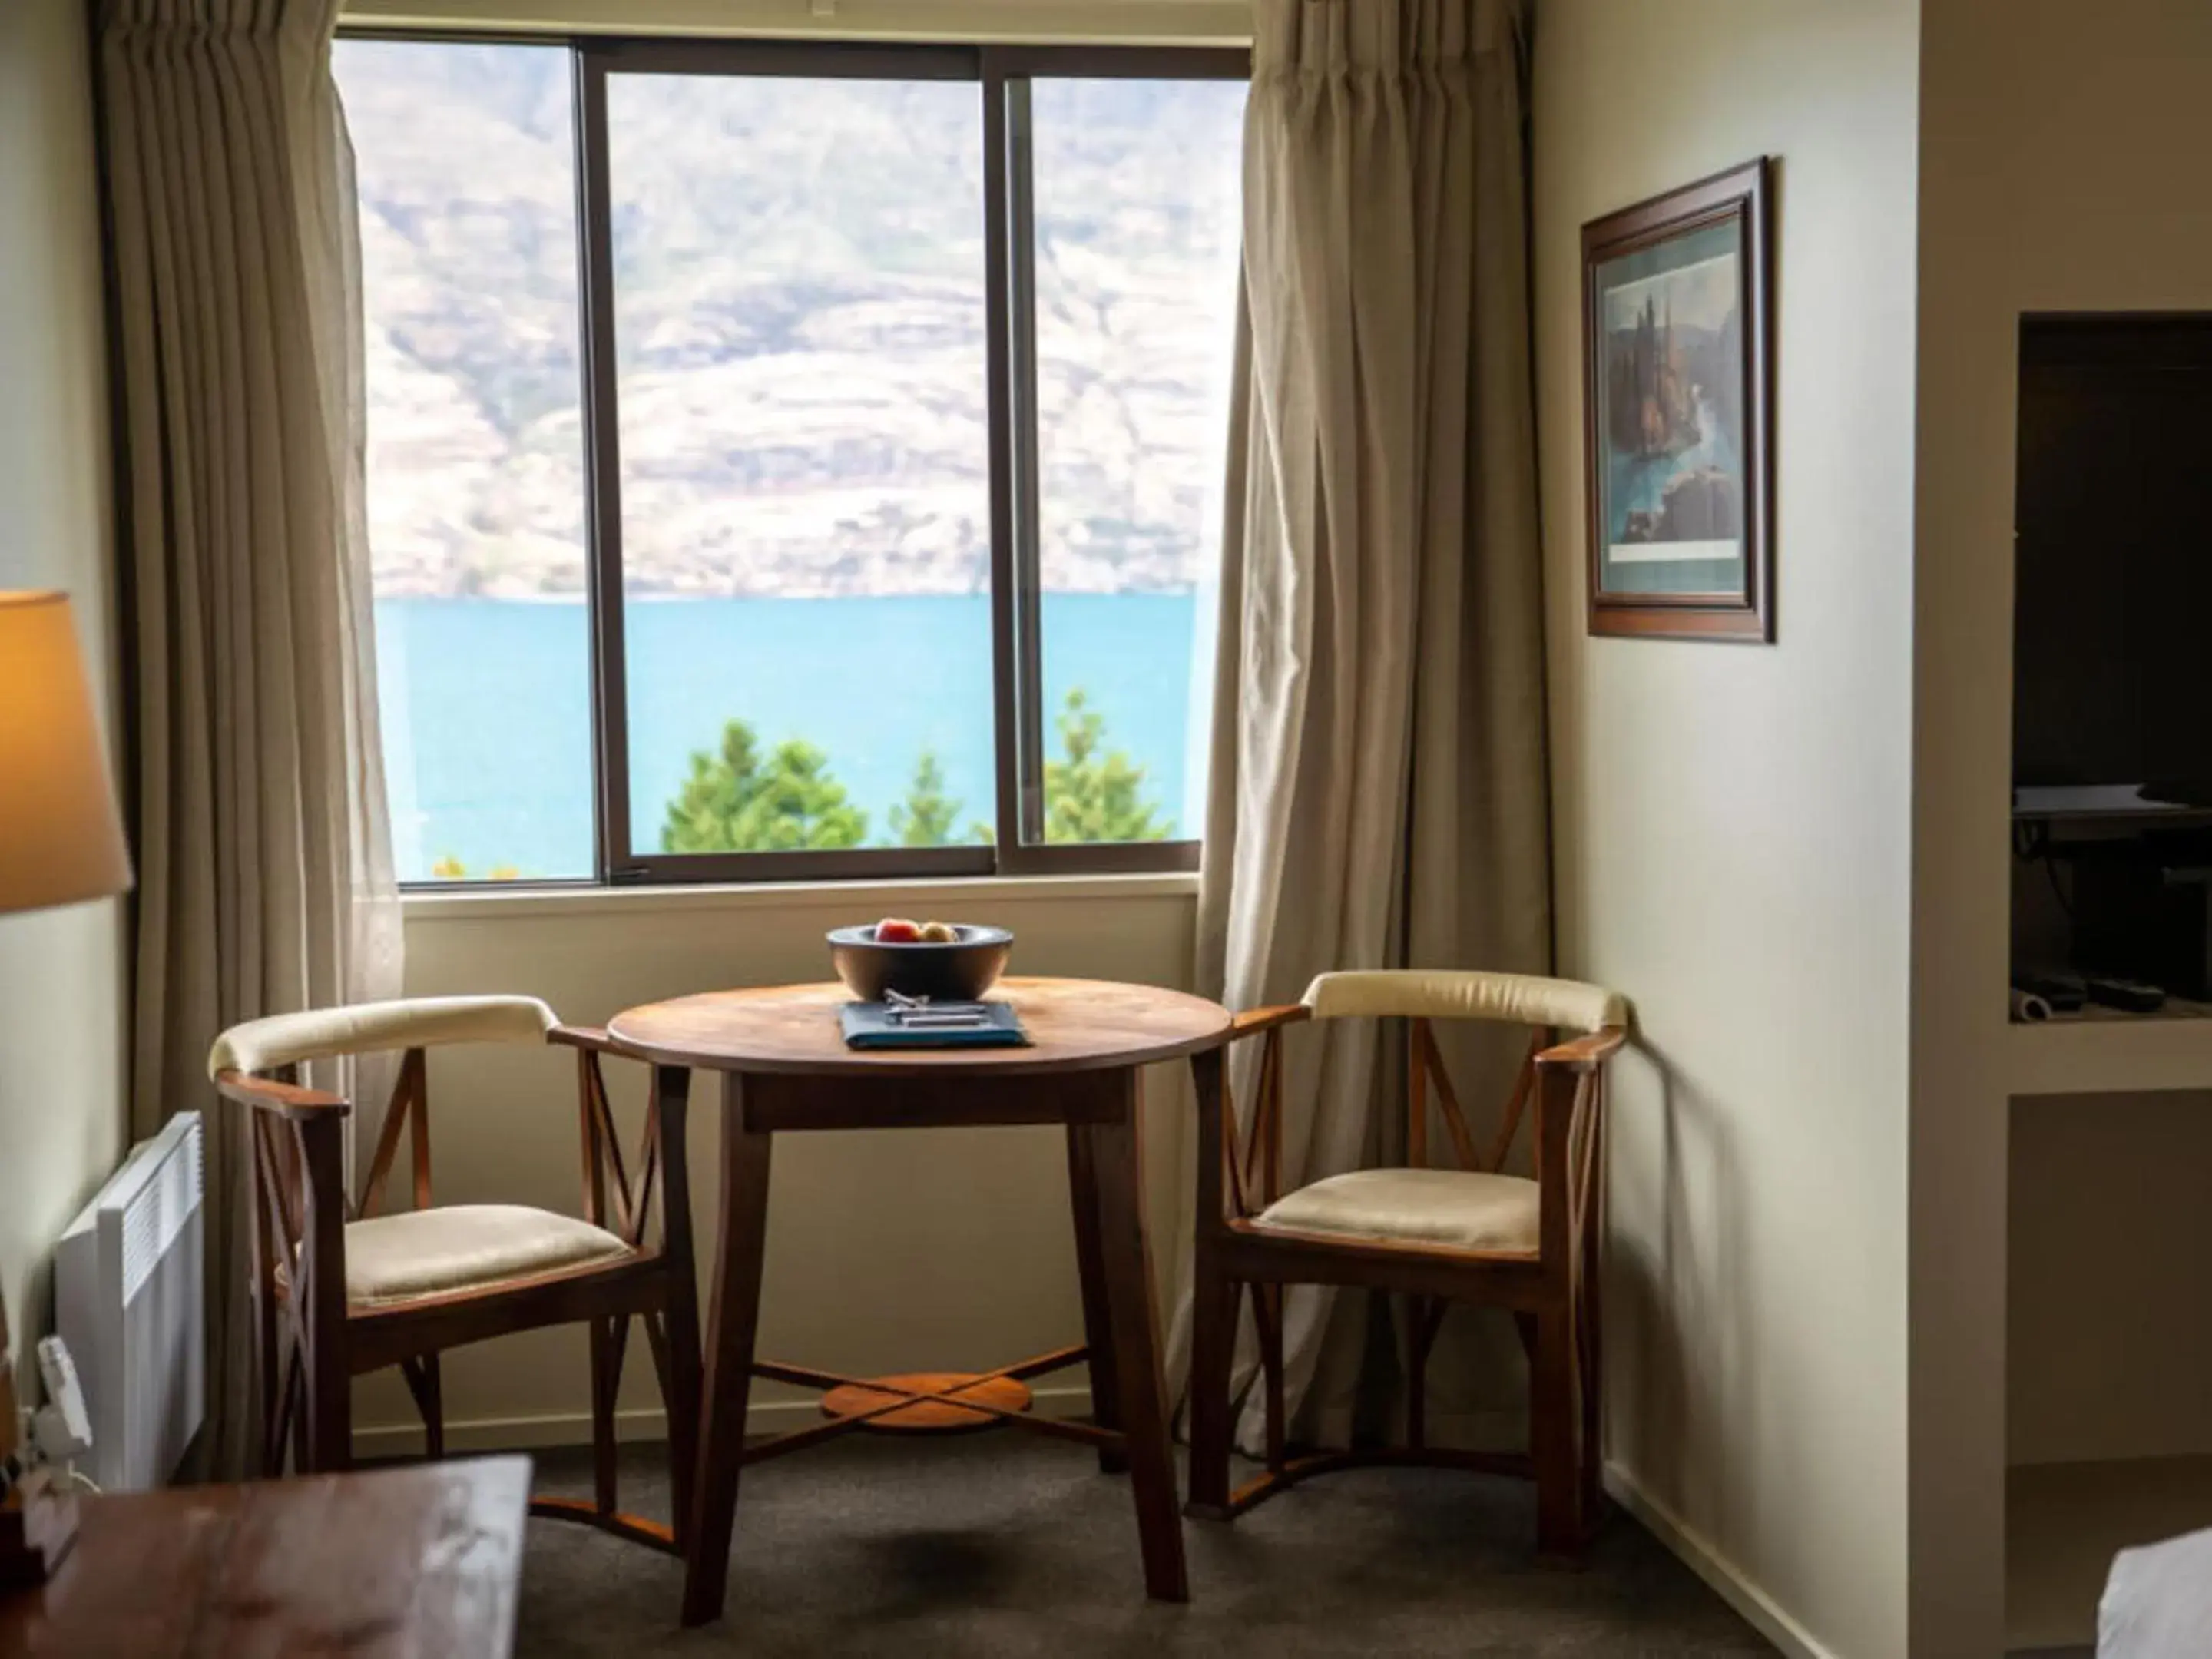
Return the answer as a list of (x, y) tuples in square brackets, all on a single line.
[(1010, 1545)]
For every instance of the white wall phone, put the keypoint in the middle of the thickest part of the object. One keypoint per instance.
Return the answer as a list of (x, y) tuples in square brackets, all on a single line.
[(62, 1429)]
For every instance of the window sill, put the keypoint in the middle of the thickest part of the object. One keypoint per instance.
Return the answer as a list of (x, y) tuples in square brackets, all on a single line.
[(842, 898)]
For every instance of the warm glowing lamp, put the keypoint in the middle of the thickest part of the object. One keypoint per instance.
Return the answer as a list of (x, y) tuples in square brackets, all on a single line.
[(61, 839)]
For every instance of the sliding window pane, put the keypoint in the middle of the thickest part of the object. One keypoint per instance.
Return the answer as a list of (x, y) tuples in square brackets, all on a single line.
[(464, 156), (806, 512), (1137, 205)]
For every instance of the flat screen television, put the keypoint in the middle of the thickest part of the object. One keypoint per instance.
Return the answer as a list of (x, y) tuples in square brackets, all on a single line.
[(2113, 605)]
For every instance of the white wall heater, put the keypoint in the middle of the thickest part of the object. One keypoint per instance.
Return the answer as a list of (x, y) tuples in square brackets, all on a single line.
[(129, 1301)]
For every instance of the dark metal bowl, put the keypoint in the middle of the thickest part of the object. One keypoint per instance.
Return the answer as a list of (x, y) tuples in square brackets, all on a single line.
[(959, 972)]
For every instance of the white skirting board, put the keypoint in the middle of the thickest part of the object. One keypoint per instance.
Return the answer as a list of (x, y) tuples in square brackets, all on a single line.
[(483, 1434), (1768, 1617)]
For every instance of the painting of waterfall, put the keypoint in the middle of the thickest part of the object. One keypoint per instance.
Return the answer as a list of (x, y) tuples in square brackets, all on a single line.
[(1675, 343)]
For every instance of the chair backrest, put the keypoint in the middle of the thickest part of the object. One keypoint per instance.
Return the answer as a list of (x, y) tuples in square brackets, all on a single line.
[(1448, 993), (294, 1161), (1421, 997), (282, 1040), (297, 1203)]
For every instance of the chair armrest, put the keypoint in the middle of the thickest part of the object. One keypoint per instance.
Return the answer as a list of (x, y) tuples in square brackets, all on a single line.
[(1585, 1053), (591, 1037), (1253, 1021), (286, 1099)]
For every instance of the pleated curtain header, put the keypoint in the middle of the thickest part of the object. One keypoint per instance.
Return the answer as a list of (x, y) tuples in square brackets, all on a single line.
[(189, 22), (1349, 38)]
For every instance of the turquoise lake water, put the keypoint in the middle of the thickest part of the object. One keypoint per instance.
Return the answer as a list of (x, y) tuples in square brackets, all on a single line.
[(487, 707)]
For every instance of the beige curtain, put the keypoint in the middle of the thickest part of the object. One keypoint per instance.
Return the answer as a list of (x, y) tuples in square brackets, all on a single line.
[(1377, 792), (266, 879)]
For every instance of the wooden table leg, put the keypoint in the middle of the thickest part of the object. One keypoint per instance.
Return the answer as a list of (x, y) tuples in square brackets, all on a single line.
[(1119, 1171), (1214, 1303), (1090, 1269), (734, 1320), (671, 1087)]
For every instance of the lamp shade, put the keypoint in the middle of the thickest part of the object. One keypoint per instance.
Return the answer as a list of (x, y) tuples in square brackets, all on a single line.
[(60, 838)]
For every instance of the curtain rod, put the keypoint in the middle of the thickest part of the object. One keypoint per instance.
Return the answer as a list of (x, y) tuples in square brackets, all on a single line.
[(1123, 23)]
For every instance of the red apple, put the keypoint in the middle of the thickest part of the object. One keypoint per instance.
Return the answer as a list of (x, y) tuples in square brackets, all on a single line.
[(896, 930)]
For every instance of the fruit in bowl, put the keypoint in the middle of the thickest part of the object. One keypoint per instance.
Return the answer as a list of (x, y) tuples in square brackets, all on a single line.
[(897, 930), (943, 961)]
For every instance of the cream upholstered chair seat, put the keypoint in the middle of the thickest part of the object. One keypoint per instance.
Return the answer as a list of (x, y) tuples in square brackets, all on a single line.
[(463, 1247), (1458, 1209)]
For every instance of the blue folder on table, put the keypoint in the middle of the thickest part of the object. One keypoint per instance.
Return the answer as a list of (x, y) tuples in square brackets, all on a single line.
[(932, 1025)]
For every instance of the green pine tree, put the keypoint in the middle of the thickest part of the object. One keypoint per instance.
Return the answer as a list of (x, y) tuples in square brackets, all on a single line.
[(737, 802), (1095, 796), (928, 817)]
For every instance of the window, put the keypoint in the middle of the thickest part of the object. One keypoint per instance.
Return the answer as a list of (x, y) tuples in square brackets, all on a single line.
[(1135, 303), (794, 461), (475, 454)]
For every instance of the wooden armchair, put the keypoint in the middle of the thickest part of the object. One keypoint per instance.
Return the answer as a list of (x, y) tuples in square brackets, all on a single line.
[(1471, 1234), (339, 1289)]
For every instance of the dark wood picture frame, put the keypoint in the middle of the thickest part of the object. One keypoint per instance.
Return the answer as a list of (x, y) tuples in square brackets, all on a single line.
[(1744, 614)]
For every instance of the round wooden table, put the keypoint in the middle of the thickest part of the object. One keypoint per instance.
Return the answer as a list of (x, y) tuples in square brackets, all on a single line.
[(785, 1068)]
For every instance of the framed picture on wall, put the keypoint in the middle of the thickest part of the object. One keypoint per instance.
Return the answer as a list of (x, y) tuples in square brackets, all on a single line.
[(1678, 456)]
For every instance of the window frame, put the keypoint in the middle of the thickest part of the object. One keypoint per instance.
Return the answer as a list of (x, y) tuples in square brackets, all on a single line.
[(1003, 75), (1016, 588)]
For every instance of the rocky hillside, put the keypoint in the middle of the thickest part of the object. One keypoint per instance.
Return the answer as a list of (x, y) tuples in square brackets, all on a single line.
[(799, 313)]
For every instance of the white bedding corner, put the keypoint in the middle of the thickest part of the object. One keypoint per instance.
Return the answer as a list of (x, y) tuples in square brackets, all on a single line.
[(2158, 1601)]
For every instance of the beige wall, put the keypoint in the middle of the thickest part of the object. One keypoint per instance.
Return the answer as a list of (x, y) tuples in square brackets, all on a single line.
[(61, 1076), (2059, 172), (886, 1251), (1732, 820)]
